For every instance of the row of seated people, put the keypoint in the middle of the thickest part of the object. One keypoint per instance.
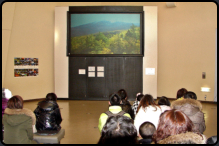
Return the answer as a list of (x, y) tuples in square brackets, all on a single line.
[(47, 119), (19, 124), (184, 116)]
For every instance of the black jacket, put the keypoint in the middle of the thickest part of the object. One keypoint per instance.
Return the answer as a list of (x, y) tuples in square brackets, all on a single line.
[(48, 117)]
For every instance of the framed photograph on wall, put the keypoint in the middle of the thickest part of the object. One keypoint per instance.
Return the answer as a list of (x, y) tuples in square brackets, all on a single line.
[(24, 67), (105, 34)]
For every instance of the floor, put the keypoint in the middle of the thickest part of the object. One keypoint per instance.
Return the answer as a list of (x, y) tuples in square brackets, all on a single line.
[(80, 119)]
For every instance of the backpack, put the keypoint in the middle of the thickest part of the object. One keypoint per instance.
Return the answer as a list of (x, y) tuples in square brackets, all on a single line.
[(110, 114)]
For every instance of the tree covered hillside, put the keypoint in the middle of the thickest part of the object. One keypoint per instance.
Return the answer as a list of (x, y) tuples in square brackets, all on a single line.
[(111, 42)]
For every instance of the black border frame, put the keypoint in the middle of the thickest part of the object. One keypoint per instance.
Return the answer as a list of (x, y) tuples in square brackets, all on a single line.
[(105, 9)]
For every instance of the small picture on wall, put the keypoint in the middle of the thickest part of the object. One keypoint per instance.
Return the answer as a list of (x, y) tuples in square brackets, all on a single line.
[(25, 72), (25, 61), (24, 67)]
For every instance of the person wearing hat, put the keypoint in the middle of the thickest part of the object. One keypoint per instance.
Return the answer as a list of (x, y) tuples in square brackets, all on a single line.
[(114, 109)]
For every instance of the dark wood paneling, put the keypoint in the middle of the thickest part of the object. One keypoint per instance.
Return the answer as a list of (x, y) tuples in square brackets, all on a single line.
[(77, 83), (119, 73), (95, 85)]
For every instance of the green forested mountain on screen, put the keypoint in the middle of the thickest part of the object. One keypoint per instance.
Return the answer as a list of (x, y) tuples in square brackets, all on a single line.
[(110, 42)]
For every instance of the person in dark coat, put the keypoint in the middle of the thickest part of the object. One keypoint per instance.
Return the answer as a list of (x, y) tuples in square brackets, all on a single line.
[(125, 104), (48, 116)]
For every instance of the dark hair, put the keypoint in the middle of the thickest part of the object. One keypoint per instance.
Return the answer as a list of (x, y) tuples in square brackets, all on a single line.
[(139, 96), (146, 130), (172, 122), (15, 102), (212, 140), (128, 109), (123, 94), (114, 99), (181, 92), (164, 101), (146, 101), (51, 97), (118, 130), (191, 95), (3, 92)]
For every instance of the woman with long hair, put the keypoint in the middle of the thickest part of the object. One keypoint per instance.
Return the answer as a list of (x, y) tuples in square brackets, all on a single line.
[(148, 111), (175, 127)]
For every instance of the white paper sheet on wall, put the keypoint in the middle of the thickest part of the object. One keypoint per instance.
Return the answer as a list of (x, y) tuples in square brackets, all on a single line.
[(91, 74), (100, 68), (150, 71), (100, 74), (81, 71), (91, 68)]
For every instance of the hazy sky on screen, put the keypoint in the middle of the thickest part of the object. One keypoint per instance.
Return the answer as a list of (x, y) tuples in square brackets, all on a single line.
[(80, 19)]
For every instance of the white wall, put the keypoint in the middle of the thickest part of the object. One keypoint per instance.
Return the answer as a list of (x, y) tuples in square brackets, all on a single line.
[(150, 50), (60, 58)]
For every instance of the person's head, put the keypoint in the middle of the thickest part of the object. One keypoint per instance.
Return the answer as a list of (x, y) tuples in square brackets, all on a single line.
[(139, 96), (146, 101), (15, 102), (118, 130), (146, 130), (172, 122), (123, 94), (190, 94), (51, 97), (164, 101), (180, 93), (114, 99), (6, 93)]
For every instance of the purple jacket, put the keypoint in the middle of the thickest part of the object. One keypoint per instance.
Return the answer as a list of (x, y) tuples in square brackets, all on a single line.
[(4, 105)]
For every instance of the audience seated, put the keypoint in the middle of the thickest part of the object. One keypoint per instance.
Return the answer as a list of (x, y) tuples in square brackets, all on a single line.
[(164, 103), (191, 95), (128, 109), (124, 97), (146, 131), (147, 110), (18, 122), (193, 109), (118, 130), (48, 116), (139, 96), (6, 95), (180, 93), (114, 108), (175, 127), (125, 104)]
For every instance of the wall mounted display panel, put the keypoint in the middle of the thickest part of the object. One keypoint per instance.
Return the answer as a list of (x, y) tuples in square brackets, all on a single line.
[(105, 31)]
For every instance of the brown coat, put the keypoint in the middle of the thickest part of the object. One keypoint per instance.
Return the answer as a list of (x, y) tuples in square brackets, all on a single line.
[(193, 109), (184, 138)]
